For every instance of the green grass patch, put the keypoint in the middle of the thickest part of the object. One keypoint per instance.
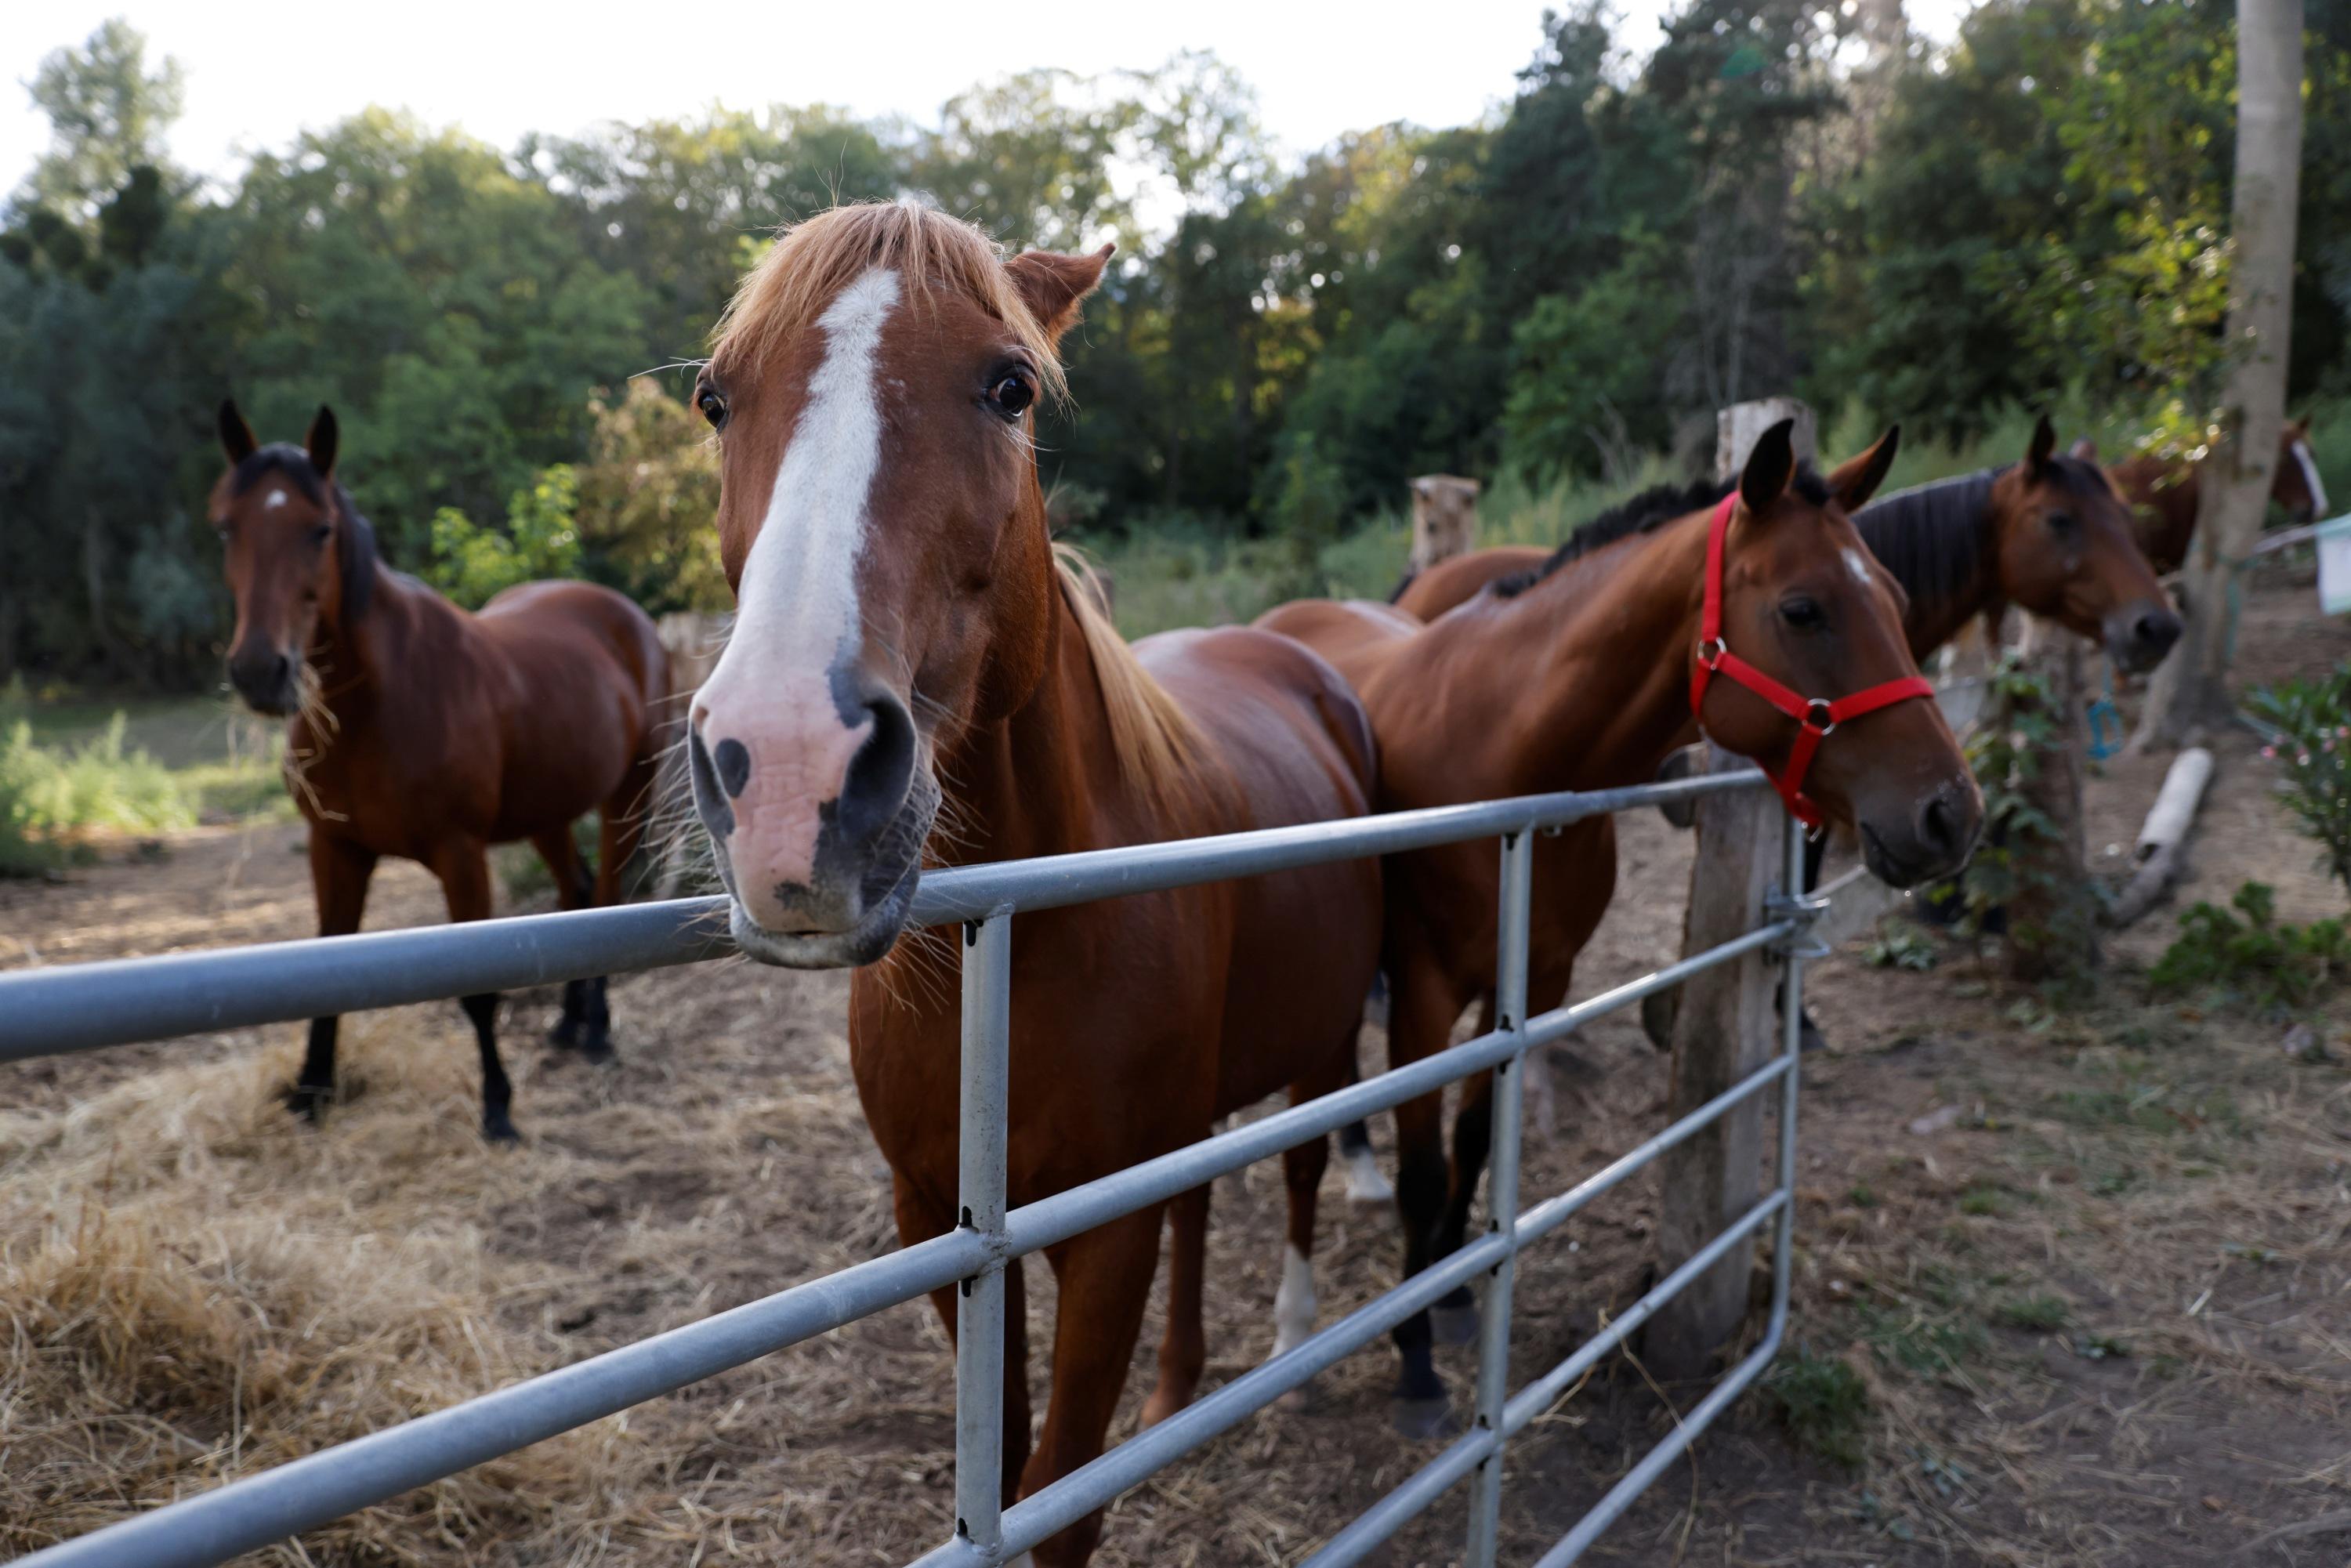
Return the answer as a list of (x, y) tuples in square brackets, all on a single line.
[(2038, 1313), (1983, 1199), (53, 797), (1916, 1343), (1824, 1405)]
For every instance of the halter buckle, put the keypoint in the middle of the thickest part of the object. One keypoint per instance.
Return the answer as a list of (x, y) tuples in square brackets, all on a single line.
[(1710, 652), (1820, 717)]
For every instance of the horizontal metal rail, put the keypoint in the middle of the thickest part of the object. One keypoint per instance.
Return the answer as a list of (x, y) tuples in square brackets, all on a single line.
[(86, 1007), (192, 992)]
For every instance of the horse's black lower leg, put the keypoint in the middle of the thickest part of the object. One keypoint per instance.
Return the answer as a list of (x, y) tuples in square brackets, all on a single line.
[(498, 1094), (316, 1087), (1815, 848), (1456, 1313), (1421, 1406), (596, 1037)]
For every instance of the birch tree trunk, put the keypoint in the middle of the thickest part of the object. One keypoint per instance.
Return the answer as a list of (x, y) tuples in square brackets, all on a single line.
[(2189, 697)]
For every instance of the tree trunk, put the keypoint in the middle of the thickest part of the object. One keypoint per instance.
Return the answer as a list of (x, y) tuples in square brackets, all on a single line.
[(2051, 927), (2189, 697)]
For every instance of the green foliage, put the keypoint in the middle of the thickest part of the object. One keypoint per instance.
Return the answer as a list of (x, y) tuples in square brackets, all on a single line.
[(2038, 1313), (2010, 870), (1824, 1404), (51, 797), (2312, 750), (647, 494), (1900, 945), (473, 564), (2247, 959)]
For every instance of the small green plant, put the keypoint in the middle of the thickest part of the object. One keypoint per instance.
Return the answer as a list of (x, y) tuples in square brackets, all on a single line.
[(1983, 1199), (1824, 1405), (2247, 959), (2020, 873), (1861, 1196), (1917, 1343), (2313, 749), (1900, 945), (2037, 1314), (51, 797)]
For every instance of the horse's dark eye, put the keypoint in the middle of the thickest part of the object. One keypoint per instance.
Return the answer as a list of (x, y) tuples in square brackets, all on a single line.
[(713, 406), (1803, 614), (2061, 523), (319, 535), (1011, 394)]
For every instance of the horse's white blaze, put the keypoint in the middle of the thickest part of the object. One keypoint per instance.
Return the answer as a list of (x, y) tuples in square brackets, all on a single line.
[(1855, 565), (275, 499), (1365, 1184), (2301, 454), (1294, 1303), (797, 614)]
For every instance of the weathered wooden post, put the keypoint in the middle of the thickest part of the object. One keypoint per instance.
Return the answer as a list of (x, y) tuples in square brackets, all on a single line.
[(1444, 519), (1722, 1025)]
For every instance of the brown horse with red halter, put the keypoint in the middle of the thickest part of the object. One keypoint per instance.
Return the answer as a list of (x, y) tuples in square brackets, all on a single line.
[(915, 680), (2163, 495), (1762, 616), (2049, 535), (420, 731)]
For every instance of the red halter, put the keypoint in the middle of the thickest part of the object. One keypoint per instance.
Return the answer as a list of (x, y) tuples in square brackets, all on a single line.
[(1814, 716)]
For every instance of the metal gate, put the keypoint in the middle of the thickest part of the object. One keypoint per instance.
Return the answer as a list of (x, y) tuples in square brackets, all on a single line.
[(83, 1007)]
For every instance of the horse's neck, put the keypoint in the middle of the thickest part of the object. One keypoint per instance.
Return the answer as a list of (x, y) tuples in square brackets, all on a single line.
[(1609, 640), (1940, 543), (1037, 781), (355, 663)]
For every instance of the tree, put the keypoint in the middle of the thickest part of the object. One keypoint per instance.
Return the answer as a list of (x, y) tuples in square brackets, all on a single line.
[(107, 114), (2189, 695)]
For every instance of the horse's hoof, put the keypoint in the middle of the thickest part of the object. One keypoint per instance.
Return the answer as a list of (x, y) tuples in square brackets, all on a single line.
[(564, 1034), (308, 1102), (498, 1128), (1454, 1319), (1810, 1039), (597, 1050), (1421, 1419)]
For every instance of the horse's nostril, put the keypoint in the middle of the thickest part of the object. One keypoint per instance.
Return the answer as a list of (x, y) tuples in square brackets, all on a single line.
[(2157, 629), (1938, 825), (732, 761)]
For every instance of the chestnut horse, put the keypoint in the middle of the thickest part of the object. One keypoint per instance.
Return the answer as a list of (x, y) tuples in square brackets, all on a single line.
[(421, 731), (2048, 535), (2163, 494), (1579, 677), (915, 680)]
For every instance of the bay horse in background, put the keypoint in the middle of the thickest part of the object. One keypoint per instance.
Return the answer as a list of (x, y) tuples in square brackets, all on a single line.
[(2049, 535), (1580, 674), (2163, 494), (915, 679), (421, 731)]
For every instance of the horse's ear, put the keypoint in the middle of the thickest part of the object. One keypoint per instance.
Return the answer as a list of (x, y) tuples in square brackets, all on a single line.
[(2044, 442), (236, 436), (1857, 479), (1051, 284), (2083, 449), (320, 443), (354, 562), (1770, 467)]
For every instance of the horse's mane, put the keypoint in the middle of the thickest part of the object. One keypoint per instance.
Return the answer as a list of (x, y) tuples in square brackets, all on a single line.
[(1643, 513), (1931, 536), (282, 457), (1157, 745), (814, 259)]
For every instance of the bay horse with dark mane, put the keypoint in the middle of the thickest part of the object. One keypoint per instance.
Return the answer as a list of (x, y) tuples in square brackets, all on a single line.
[(2049, 535), (1582, 674), (2163, 494), (421, 731), (913, 680)]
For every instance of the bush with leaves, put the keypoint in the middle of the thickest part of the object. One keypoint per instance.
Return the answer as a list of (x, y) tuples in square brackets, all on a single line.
[(2312, 720), (473, 564), (50, 797), (2249, 959)]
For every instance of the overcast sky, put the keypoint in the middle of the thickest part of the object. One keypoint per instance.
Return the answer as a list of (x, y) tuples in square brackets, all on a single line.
[(260, 70)]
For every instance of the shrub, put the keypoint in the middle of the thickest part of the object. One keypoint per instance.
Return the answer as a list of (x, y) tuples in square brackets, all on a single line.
[(50, 796), (2312, 718), (2253, 961), (1824, 1405), (473, 564)]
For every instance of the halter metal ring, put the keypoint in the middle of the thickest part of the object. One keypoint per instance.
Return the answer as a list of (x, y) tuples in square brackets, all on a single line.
[(1710, 652), (1820, 717)]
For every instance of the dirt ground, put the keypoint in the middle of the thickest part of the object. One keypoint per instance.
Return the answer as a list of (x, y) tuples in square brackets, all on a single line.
[(2088, 1262)]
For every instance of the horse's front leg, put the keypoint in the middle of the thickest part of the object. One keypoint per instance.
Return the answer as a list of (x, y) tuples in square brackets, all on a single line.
[(339, 871), (464, 867), (1105, 1279)]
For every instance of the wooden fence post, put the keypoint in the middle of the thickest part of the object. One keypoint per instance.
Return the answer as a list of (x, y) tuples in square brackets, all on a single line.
[(1721, 1019), (1444, 519)]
